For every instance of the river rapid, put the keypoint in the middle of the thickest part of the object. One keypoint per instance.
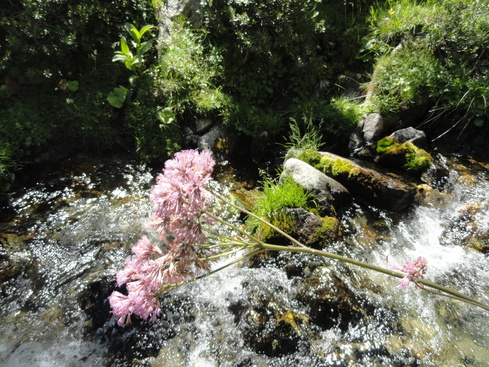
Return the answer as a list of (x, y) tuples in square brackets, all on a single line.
[(67, 232)]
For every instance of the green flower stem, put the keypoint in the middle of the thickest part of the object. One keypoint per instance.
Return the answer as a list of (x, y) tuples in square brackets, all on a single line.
[(444, 290), (247, 212), (222, 254), (301, 248)]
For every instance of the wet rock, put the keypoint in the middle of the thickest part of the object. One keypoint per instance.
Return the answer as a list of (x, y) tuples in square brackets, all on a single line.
[(468, 229), (332, 302), (325, 190), (366, 133), (203, 125), (312, 230), (430, 197), (268, 327), (365, 184), (221, 141)]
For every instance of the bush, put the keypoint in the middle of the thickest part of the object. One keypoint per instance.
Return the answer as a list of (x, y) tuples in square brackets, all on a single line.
[(56, 72), (432, 51), (276, 53)]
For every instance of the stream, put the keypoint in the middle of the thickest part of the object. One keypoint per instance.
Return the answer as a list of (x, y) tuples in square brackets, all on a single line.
[(65, 235)]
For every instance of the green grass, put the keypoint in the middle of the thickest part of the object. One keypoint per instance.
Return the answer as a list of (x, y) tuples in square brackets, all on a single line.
[(270, 203)]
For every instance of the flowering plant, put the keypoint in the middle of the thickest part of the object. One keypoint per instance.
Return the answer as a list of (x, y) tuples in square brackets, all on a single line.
[(182, 214)]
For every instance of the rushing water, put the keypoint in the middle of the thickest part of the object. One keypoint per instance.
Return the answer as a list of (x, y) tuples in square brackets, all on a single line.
[(64, 239)]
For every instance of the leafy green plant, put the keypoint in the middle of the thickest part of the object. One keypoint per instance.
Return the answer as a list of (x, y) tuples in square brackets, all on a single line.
[(132, 58), (431, 53), (189, 74)]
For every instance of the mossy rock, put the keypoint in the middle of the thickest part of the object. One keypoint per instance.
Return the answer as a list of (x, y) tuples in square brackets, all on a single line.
[(335, 167), (327, 232), (365, 184), (406, 156)]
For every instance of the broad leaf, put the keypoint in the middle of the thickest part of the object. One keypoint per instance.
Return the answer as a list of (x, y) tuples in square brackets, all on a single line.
[(133, 31), (117, 97)]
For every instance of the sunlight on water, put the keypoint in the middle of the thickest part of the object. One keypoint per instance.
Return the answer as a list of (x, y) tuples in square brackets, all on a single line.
[(73, 231), (69, 231)]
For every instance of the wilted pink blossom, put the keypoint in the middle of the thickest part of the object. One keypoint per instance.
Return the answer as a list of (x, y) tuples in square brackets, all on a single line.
[(413, 271), (180, 200)]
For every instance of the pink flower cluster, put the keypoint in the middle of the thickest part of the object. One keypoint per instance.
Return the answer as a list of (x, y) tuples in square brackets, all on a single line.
[(413, 271), (180, 201)]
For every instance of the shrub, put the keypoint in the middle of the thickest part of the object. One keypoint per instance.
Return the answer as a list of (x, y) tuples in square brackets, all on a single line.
[(431, 51), (56, 73)]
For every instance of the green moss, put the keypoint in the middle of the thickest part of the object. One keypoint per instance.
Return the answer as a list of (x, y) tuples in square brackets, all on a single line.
[(328, 231), (415, 159), (310, 156), (281, 220), (337, 166), (385, 144)]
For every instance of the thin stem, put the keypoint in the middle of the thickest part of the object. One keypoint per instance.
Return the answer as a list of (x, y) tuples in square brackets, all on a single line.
[(222, 254), (438, 287), (247, 212)]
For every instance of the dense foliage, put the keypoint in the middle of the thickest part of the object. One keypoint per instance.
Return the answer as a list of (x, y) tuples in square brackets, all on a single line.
[(431, 60), (251, 65), (56, 70)]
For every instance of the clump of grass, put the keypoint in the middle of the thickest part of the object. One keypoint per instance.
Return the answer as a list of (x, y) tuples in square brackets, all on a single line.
[(309, 137), (273, 200)]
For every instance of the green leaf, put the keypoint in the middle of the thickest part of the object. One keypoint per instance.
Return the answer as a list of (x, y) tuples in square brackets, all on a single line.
[(72, 85), (133, 31), (166, 116), (479, 122), (132, 79), (120, 57), (145, 46), (145, 29), (117, 97), (124, 47)]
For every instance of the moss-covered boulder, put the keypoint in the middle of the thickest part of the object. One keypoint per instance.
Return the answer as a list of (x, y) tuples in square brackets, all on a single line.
[(365, 184), (407, 156)]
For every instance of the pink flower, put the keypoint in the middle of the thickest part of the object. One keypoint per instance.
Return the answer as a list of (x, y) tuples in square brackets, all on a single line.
[(145, 249), (413, 271), (180, 200), (121, 307)]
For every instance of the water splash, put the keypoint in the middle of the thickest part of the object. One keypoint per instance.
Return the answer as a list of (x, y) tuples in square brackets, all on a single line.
[(71, 232)]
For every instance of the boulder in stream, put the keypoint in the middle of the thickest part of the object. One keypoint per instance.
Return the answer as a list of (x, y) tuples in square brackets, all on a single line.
[(366, 133), (365, 184), (325, 190)]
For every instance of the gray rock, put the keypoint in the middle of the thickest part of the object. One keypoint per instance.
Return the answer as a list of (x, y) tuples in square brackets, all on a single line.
[(325, 190), (221, 141), (203, 125), (410, 135), (366, 133), (170, 9)]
